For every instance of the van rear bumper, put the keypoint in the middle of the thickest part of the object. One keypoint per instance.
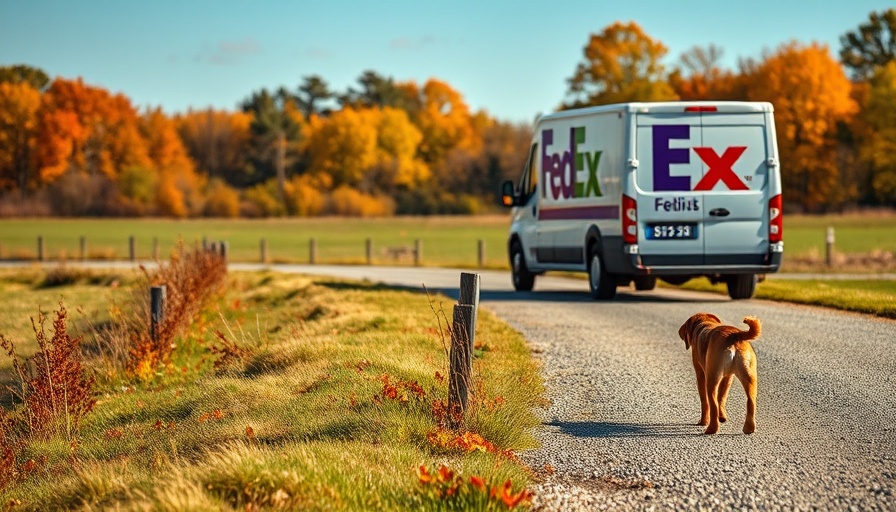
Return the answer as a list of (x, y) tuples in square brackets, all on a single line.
[(697, 264)]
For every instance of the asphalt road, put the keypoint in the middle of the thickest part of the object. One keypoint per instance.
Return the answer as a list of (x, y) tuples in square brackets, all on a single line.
[(619, 433)]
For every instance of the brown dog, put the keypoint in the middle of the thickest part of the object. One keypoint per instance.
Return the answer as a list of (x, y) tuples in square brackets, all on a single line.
[(721, 352)]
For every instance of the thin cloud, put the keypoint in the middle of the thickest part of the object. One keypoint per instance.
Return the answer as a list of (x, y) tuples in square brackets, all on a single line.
[(406, 43), (227, 53)]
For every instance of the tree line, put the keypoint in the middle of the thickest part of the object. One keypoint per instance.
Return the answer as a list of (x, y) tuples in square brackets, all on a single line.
[(386, 147)]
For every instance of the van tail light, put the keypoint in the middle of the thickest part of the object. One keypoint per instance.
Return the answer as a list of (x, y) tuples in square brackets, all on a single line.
[(629, 220), (775, 220), (701, 108)]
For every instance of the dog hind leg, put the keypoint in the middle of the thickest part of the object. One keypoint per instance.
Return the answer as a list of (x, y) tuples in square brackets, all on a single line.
[(723, 397), (704, 402), (713, 381), (749, 382)]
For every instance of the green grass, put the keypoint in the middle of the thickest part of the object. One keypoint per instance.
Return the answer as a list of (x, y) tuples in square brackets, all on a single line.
[(303, 420), (877, 297), (446, 241)]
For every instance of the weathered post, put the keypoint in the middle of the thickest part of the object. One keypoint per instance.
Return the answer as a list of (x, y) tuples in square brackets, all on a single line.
[(461, 351), (368, 248), (83, 244), (480, 253), (40, 248), (418, 252), (155, 248), (156, 310), (132, 248), (223, 248), (264, 250), (312, 251), (829, 247)]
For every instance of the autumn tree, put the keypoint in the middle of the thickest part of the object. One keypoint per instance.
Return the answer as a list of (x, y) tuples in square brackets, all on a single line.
[(445, 121), (379, 91), (312, 95), (19, 103), (878, 148), (699, 76), (342, 147), (86, 129), (179, 187), (275, 135), (20, 73), (620, 64), (218, 142), (871, 46), (811, 96)]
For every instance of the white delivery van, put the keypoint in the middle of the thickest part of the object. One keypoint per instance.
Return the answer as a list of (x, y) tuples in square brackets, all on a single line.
[(639, 191)]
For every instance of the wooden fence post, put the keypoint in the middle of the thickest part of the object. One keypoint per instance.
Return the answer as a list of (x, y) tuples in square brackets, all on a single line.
[(480, 253), (40, 248), (312, 251), (157, 310), (83, 243), (132, 248), (829, 247), (155, 248), (460, 355), (418, 252), (368, 248), (224, 248), (264, 250)]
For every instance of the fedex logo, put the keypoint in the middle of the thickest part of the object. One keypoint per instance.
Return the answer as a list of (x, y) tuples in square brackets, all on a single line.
[(560, 171), (720, 166)]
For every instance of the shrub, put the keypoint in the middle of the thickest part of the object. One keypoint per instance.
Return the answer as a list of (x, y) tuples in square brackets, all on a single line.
[(303, 198), (262, 200), (54, 388), (352, 203), (221, 200), (190, 279)]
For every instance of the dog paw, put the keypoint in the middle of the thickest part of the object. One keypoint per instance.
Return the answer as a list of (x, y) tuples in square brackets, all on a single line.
[(749, 428), (712, 429), (722, 419)]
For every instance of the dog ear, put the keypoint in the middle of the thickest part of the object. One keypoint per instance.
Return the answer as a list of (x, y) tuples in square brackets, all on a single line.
[(684, 332)]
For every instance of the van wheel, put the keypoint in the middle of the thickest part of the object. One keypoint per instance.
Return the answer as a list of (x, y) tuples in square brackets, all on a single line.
[(523, 280), (645, 283), (603, 285), (741, 286)]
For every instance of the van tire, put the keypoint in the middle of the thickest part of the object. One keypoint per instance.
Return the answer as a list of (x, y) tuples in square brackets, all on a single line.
[(741, 286), (645, 283), (523, 280), (602, 284)]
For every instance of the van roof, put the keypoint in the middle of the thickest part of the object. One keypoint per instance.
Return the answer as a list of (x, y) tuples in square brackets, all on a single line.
[(667, 107)]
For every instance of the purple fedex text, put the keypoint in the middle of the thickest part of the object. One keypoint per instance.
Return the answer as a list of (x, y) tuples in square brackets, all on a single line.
[(560, 171), (719, 167)]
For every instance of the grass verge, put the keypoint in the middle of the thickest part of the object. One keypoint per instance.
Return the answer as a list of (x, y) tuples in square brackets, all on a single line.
[(876, 297), (292, 392)]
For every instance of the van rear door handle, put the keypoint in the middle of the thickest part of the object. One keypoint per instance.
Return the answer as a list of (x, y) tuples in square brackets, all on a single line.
[(719, 212)]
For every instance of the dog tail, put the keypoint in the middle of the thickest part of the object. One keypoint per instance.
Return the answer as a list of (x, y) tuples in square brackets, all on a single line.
[(755, 329)]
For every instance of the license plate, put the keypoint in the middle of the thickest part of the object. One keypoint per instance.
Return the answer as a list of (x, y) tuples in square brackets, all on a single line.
[(686, 231)]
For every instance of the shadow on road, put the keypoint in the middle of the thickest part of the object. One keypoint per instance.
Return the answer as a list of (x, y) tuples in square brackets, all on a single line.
[(604, 429)]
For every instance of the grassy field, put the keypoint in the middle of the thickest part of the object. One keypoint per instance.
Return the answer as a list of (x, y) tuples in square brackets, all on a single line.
[(446, 241), (333, 400), (877, 297)]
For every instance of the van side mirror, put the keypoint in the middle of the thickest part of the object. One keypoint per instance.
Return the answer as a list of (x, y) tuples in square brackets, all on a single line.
[(508, 194)]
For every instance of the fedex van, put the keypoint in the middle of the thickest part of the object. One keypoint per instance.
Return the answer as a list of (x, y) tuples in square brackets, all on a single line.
[(639, 191)]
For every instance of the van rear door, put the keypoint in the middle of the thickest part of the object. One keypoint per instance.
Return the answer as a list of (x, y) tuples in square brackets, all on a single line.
[(735, 180), (702, 185), (670, 212)]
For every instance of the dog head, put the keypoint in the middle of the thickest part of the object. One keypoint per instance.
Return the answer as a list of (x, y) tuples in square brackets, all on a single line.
[(686, 331)]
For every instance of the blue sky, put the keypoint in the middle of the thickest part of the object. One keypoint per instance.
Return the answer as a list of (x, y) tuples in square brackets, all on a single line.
[(510, 58)]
